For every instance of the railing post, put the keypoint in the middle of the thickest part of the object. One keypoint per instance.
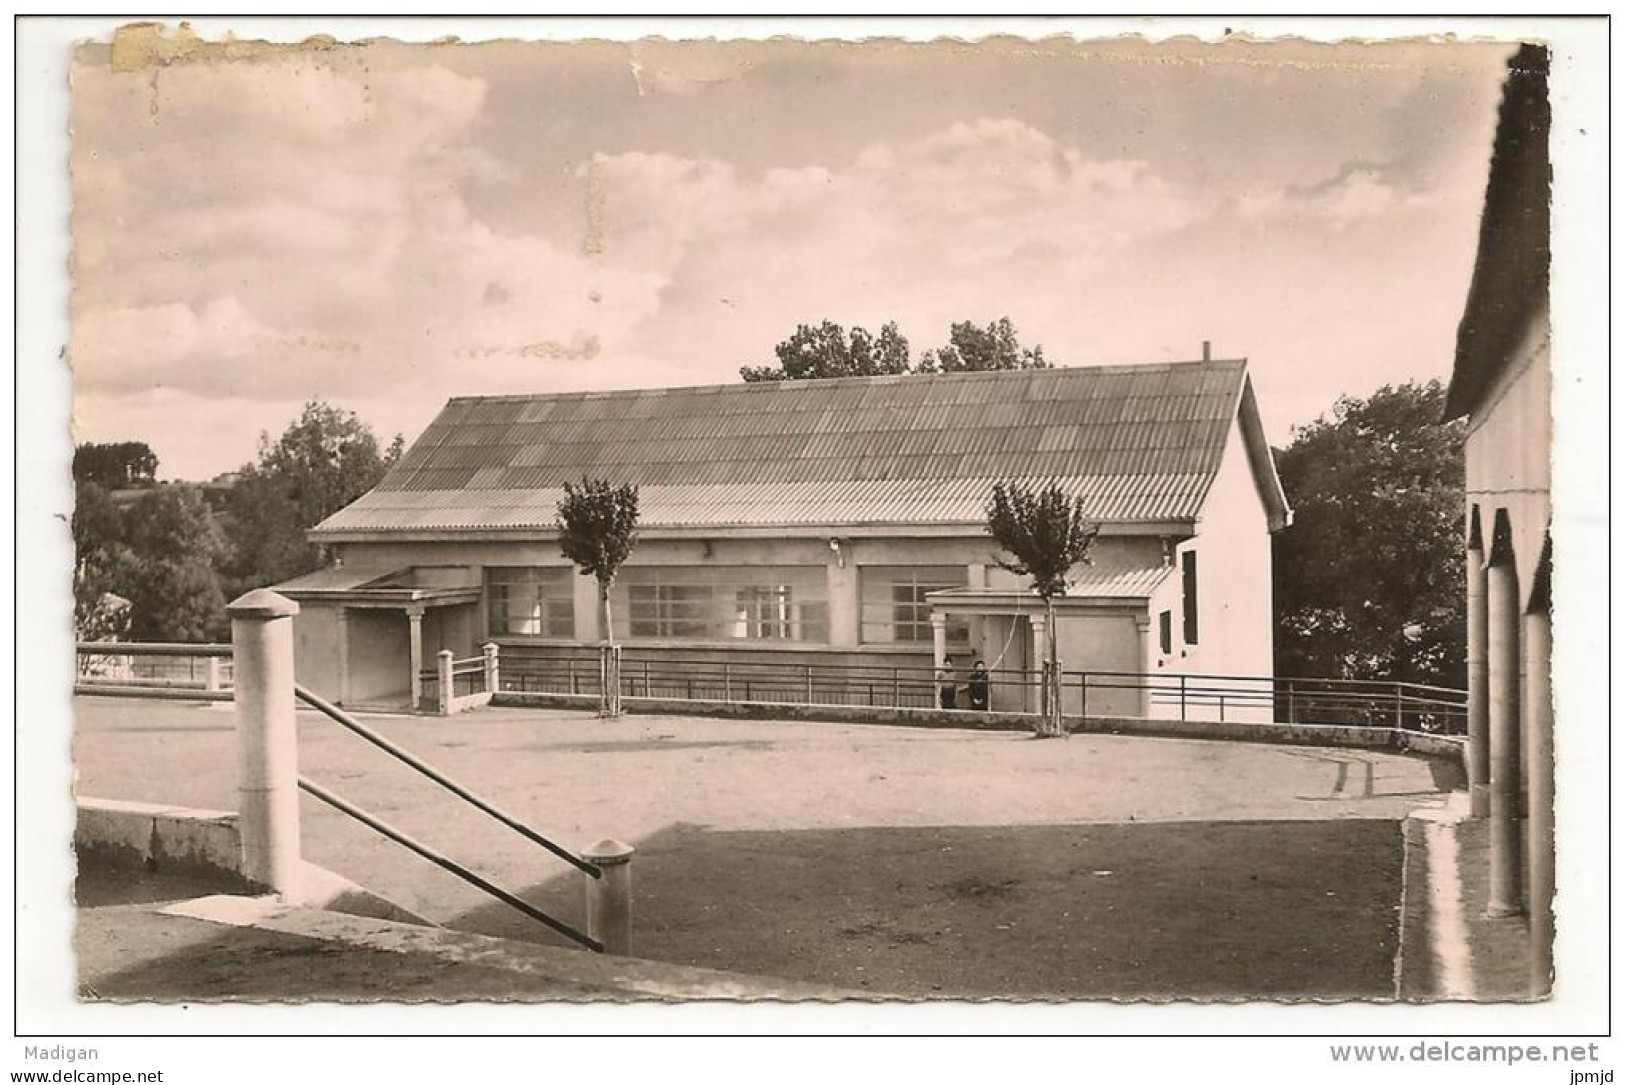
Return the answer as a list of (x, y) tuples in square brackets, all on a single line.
[(492, 674), (727, 682), (267, 738), (211, 674), (1181, 696), (609, 898), (809, 684), (443, 679), (1083, 694)]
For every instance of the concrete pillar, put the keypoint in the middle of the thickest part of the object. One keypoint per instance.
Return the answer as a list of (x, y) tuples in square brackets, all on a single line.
[(1039, 656), (1478, 712), (211, 674), (443, 681), (1505, 858), (493, 672), (841, 588), (267, 740), (939, 639), (342, 617), (414, 619), (609, 898), (1537, 701)]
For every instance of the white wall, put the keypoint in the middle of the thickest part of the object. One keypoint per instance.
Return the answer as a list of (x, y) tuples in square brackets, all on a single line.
[(1235, 607)]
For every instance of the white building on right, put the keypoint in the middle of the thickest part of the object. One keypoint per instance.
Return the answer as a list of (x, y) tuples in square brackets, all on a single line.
[(1502, 385)]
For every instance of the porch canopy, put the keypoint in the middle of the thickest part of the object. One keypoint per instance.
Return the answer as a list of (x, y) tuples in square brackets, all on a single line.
[(380, 588), (1121, 586)]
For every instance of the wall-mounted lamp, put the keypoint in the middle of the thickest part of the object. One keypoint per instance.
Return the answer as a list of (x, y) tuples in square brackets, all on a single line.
[(838, 548)]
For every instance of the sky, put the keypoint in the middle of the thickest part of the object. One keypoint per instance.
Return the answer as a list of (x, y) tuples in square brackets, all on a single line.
[(384, 226)]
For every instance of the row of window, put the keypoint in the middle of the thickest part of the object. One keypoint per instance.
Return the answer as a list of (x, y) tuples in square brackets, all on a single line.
[(725, 603)]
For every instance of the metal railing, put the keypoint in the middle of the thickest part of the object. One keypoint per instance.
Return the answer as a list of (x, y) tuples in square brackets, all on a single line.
[(131, 669), (349, 723), (1404, 706)]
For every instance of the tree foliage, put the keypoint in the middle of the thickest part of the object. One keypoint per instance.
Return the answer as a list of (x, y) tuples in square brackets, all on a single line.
[(1044, 531), (830, 350), (158, 555), (323, 461), (115, 466), (972, 349), (597, 524), (1368, 580)]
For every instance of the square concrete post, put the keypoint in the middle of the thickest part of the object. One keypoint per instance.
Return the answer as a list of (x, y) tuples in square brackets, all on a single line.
[(1478, 705), (1506, 861), (267, 740), (211, 674), (492, 674), (609, 898), (1537, 691), (443, 680)]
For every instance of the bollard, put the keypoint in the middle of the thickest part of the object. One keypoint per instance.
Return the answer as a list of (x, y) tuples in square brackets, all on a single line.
[(267, 741), (609, 898), (443, 679), (491, 674)]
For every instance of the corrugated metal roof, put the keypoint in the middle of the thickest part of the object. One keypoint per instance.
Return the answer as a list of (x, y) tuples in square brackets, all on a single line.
[(1138, 443)]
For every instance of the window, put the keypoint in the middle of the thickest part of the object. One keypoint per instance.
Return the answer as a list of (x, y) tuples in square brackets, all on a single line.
[(727, 603), (1187, 570), (530, 602), (894, 604), (1165, 632)]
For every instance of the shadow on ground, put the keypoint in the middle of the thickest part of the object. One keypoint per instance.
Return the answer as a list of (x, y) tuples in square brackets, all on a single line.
[(1204, 910)]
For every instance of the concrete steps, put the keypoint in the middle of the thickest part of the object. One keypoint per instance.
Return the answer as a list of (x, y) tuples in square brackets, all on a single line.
[(496, 968)]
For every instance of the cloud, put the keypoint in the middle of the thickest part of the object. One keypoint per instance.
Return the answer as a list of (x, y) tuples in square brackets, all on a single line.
[(388, 226)]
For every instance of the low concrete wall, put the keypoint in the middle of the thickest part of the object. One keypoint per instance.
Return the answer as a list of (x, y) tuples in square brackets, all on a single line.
[(1292, 734), (136, 834), (180, 839)]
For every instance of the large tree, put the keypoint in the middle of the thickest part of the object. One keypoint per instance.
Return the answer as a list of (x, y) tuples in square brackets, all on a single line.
[(115, 466), (1368, 578), (157, 555), (1046, 534), (830, 350), (326, 459), (973, 349)]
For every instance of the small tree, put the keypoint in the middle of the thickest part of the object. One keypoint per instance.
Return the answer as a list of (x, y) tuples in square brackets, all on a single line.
[(597, 525), (1046, 533)]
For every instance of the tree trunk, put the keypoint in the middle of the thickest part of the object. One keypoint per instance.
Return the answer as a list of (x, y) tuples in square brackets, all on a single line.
[(609, 661)]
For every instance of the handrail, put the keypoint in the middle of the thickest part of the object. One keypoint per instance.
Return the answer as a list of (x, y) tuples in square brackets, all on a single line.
[(149, 648), (343, 719), (445, 863)]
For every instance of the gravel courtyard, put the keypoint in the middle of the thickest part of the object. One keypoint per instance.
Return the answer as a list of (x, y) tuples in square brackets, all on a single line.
[(924, 863)]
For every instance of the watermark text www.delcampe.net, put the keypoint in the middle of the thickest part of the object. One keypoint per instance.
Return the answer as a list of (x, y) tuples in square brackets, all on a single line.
[(1445, 1051)]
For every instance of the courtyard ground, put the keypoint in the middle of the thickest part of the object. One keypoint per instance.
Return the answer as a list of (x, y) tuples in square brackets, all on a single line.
[(925, 863)]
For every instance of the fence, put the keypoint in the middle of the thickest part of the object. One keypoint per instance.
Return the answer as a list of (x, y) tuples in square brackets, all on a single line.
[(269, 782), (455, 685), (1399, 705), (205, 671), (193, 671)]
